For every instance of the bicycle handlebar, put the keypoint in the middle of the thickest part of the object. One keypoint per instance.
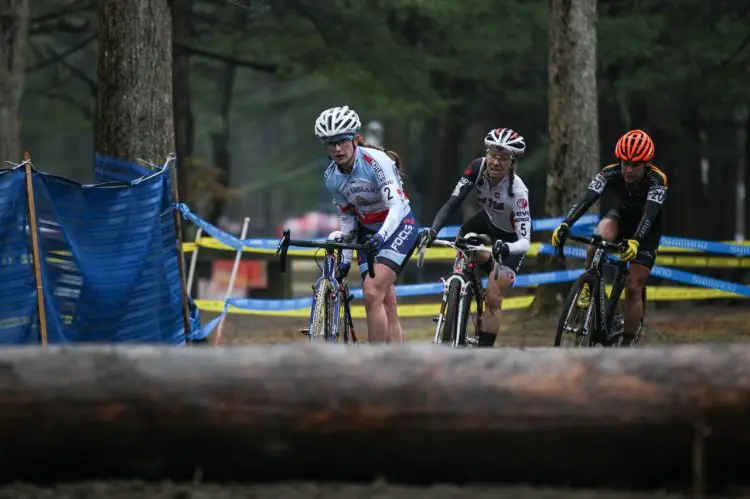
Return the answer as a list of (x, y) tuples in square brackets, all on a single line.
[(596, 241), (470, 242), (329, 244)]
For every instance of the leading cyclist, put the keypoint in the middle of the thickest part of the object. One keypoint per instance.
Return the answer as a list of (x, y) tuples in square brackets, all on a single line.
[(368, 192), (641, 189), (504, 216)]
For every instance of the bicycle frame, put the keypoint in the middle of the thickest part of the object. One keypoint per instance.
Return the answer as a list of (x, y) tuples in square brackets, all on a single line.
[(332, 259), (464, 271), (605, 305)]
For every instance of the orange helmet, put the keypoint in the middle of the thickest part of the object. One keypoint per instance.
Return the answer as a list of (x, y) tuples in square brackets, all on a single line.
[(635, 145)]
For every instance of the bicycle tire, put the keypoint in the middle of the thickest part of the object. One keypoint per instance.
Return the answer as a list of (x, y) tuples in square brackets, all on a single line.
[(591, 279), (465, 311), (319, 322), (451, 312), (343, 319)]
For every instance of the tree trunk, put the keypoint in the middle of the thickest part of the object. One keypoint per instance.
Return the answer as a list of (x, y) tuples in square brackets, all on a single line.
[(14, 23), (410, 413), (134, 118), (183, 115), (222, 154), (573, 116)]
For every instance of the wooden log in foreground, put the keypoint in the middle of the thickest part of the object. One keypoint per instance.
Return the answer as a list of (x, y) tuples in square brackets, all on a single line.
[(416, 413)]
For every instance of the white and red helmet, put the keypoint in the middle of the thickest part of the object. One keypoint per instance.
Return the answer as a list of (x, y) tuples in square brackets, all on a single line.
[(506, 139)]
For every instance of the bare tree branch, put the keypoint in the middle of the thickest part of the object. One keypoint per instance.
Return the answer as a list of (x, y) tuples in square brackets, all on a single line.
[(73, 7), (78, 73), (59, 57), (61, 26), (86, 110), (226, 59)]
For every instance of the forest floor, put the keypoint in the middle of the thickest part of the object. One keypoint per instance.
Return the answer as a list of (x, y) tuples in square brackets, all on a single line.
[(687, 323)]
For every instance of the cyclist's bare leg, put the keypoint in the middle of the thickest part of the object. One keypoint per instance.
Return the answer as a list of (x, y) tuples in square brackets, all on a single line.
[(395, 333), (496, 289), (633, 304), (375, 291), (608, 229)]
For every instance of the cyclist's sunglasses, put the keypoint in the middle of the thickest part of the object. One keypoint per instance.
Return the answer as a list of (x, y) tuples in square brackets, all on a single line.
[(336, 141), (500, 155)]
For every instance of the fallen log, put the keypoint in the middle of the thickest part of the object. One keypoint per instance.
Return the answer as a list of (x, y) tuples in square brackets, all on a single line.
[(417, 413)]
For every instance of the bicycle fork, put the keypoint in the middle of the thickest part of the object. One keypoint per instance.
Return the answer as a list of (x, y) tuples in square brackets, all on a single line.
[(444, 303)]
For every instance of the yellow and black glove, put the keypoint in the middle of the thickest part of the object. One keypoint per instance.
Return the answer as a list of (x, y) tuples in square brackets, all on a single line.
[(559, 233), (631, 251)]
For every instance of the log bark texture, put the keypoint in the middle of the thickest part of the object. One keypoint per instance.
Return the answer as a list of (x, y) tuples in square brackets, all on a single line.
[(637, 417)]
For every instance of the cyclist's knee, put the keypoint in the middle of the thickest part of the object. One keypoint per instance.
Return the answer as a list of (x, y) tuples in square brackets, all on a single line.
[(372, 293), (375, 290), (607, 228)]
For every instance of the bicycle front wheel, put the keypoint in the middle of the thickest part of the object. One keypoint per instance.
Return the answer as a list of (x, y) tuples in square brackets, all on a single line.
[(577, 324), (449, 324), (322, 323), (461, 330)]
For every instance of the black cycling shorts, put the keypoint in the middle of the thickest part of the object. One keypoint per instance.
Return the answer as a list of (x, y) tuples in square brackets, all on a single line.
[(627, 223), (480, 223)]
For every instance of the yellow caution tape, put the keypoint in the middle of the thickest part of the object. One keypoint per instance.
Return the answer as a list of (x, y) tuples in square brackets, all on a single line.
[(448, 254), (655, 293)]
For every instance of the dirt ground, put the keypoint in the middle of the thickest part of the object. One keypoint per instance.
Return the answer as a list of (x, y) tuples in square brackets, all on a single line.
[(128, 490), (688, 323)]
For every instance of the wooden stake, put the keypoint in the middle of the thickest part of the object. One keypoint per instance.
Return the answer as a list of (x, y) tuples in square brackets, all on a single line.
[(194, 260), (35, 252), (181, 259), (232, 277)]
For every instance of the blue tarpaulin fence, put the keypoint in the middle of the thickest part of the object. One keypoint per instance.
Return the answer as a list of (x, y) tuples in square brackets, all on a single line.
[(108, 255)]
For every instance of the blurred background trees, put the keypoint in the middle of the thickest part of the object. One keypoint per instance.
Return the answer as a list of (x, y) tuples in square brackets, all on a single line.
[(250, 76)]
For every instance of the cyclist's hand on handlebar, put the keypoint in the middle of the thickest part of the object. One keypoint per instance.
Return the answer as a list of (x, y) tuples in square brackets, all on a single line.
[(631, 251), (559, 234), (343, 271), (500, 250), (428, 235), (373, 242)]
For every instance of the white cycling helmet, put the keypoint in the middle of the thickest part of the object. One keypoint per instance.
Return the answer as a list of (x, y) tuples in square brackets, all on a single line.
[(506, 138), (337, 121)]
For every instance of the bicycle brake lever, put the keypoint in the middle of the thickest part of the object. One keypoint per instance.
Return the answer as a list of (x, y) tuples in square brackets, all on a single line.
[(420, 253)]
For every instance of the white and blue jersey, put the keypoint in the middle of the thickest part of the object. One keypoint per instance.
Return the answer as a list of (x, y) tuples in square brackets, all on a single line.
[(371, 199)]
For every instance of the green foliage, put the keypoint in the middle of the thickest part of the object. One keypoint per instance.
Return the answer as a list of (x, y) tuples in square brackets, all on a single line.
[(485, 60)]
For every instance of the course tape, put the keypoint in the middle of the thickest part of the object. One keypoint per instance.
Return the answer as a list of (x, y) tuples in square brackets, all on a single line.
[(225, 240), (239, 306), (300, 307), (222, 240)]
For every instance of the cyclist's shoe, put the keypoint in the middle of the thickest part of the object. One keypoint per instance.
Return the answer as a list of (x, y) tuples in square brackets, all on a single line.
[(305, 331), (584, 297), (485, 340)]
